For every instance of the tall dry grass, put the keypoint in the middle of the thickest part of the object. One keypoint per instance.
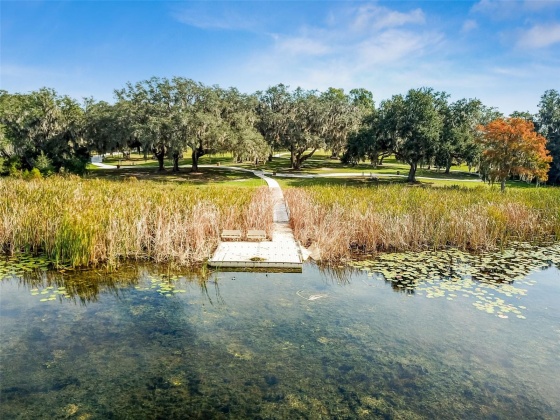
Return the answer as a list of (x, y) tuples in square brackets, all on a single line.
[(81, 222), (340, 219)]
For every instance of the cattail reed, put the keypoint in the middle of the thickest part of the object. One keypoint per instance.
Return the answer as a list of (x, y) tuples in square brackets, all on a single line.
[(86, 222), (341, 219)]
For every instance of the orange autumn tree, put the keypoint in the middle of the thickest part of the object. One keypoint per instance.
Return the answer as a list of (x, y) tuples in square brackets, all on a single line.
[(511, 146)]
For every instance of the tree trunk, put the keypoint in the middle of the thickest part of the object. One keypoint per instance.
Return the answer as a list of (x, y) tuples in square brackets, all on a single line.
[(412, 172), (195, 157), (503, 185), (176, 161), (159, 153), (160, 162), (292, 157), (380, 163), (270, 157), (447, 166), (196, 154), (299, 158), (296, 163)]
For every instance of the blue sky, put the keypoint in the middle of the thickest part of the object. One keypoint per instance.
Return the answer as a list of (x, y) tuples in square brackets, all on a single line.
[(506, 53)]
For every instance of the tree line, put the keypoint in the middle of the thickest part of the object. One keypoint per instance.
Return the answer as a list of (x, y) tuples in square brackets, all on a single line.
[(166, 117)]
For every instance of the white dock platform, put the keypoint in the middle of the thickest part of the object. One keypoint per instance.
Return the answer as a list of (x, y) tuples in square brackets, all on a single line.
[(282, 252)]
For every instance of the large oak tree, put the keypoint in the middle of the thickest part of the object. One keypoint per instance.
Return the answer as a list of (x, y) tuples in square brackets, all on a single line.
[(549, 121)]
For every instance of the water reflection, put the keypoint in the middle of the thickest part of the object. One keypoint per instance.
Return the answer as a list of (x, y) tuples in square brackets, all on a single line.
[(149, 342), (84, 286)]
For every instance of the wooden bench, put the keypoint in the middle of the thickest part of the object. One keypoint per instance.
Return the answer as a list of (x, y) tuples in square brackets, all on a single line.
[(231, 234), (256, 234)]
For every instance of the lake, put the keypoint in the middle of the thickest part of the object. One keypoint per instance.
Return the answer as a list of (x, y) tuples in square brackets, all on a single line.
[(345, 342)]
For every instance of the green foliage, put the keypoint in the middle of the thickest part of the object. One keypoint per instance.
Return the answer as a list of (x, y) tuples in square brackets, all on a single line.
[(168, 116), (44, 164), (549, 122), (419, 123), (41, 123), (303, 120), (35, 174), (457, 137)]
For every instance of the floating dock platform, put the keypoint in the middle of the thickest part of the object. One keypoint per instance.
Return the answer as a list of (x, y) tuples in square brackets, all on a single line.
[(282, 252)]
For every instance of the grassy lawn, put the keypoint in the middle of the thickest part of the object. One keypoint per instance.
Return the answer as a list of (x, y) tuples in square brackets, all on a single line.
[(214, 175), (319, 164), (372, 183)]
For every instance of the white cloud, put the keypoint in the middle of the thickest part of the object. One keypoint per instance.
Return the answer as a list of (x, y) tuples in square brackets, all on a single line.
[(513, 9), (365, 46), (539, 36), (301, 45), (537, 5), (377, 18), (396, 46), (469, 25), (360, 37), (205, 19), (389, 52), (487, 6)]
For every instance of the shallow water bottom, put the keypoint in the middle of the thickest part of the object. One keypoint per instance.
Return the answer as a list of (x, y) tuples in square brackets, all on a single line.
[(256, 345)]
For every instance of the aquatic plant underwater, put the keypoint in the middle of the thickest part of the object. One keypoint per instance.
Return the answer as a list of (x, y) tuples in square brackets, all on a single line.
[(156, 341)]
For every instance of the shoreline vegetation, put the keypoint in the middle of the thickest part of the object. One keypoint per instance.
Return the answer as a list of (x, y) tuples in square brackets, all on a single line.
[(85, 222), (338, 221)]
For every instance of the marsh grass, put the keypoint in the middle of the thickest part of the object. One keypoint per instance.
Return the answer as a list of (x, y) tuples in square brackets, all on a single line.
[(342, 219), (92, 221)]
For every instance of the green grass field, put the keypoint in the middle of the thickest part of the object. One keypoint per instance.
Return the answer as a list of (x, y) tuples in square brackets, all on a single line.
[(321, 164)]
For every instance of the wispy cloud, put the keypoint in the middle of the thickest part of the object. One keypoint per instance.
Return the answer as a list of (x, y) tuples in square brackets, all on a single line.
[(469, 25), (538, 5), (494, 8), (513, 9), (21, 71), (359, 46), (539, 36), (363, 36), (378, 18), (226, 19), (302, 45)]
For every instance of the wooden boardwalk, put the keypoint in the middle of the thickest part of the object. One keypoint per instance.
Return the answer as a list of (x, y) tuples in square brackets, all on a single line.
[(282, 252)]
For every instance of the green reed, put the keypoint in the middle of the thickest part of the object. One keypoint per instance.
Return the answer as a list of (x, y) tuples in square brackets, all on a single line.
[(90, 221)]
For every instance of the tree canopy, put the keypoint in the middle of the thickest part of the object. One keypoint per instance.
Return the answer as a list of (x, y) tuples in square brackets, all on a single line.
[(548, 119), (42, 126), (513, 147), (168, 117)]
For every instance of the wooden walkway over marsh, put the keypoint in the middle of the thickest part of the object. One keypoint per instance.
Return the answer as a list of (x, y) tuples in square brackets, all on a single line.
[(282, 252)]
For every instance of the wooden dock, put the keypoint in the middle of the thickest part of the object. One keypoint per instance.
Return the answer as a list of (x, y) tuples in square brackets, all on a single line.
[(282, 252)]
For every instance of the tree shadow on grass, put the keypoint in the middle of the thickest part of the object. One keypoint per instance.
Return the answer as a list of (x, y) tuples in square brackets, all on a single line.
[(205, 176)]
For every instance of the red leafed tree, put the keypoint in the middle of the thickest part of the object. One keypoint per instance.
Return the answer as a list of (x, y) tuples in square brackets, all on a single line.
[(511, 146)]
